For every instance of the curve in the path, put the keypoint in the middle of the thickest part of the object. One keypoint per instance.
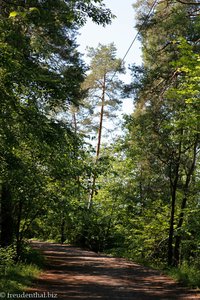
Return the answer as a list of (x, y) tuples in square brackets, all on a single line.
[(72, 273)]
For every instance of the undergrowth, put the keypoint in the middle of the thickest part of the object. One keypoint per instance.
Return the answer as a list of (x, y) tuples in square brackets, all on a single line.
[(188, 275), (16, 277)]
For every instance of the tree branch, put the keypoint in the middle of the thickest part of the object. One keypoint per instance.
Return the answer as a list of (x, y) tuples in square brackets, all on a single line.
[(187, 3)]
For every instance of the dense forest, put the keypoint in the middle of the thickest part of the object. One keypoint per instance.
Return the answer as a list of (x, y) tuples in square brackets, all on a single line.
[(62, 177)]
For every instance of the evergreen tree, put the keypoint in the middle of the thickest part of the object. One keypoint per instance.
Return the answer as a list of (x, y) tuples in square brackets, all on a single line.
[(160, 123), (41, 74), (103, 98)]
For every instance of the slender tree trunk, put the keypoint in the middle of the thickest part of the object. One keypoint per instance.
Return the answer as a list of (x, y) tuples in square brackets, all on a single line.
[(62, 227), (6, 237), (101, 119), (174, 177), (18, 236), (99, 141), (74, 117), (173, 186), (178, 237), (92, 191), (183, 205), (171, 228)]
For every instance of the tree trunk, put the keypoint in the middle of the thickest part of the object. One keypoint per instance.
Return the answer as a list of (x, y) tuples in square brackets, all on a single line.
[(92, 191), (62, 229), (101, 118), (178, 237), (171, 228), (99, 140), (183, 205), (174, 177), (18, 236), (6, 237)]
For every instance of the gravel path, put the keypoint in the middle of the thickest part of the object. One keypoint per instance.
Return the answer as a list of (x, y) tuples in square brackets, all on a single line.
[(72, 273)]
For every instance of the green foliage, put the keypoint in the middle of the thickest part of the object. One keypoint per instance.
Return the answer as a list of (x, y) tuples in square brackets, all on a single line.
[(145, 202), (41, 73), (30, 256), (103, 92), (18, 278), (94, 229), (163, 132), (7, 257), (186, 274)]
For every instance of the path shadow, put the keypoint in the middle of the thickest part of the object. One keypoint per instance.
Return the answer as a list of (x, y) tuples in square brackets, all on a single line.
[(72, 273)]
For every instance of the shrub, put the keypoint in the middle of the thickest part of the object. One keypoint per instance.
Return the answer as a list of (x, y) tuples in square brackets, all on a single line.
[(188, 275), (7, 257)]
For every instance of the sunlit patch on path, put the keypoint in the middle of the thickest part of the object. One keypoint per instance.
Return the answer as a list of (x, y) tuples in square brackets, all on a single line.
[(73, 273)]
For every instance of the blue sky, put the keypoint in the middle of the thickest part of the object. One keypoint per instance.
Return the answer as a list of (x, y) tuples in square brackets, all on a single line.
[(121, 32)]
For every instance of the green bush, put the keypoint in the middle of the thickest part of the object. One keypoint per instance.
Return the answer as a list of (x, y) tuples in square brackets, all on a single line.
[(16, 277), (7, 257), (186, 274), (31, 256)]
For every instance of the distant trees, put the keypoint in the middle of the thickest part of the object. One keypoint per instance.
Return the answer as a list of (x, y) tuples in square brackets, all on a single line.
[(143, 188), (147, 201), (103, 96), (161, 125), (41, 74)]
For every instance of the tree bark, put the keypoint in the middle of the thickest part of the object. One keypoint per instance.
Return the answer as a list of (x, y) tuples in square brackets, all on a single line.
[(99, 140), (62, 227), (6, 237), (171, 228), (174, 177), (183, 205), (101, 118), (18, 235)]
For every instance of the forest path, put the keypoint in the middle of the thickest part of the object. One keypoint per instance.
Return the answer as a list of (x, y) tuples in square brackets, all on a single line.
[(74, 273)]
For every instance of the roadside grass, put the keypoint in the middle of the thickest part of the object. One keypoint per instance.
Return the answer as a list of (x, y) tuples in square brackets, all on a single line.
[(17, 277), (187, 275), (32, 256)]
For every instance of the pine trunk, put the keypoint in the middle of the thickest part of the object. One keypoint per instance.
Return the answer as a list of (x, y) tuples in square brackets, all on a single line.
[(99, 140)]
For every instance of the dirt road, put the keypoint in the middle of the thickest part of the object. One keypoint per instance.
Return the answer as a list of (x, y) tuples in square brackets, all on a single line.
[(72, 273)]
